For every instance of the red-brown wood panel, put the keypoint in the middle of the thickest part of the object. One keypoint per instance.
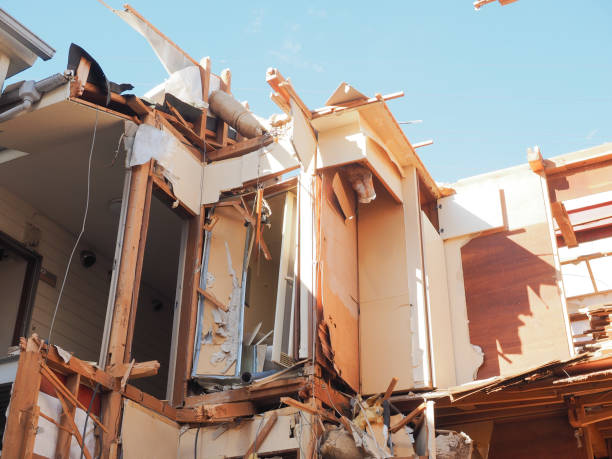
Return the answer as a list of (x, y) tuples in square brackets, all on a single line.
[(541, 438), (513, 303)]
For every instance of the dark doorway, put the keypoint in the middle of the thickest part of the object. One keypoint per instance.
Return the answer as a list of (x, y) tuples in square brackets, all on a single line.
[(19, 273)]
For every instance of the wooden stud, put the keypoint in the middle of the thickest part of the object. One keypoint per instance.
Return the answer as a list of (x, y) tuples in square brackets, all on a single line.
[(565, 225), (258, 204), (261, 435), (240, 148), (22, 417), (73, 426), (189, 307), (144, 228), (64, 437), (390, 389), (409, 417), (213, 299)]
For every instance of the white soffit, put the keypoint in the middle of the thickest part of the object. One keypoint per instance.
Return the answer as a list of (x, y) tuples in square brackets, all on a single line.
[(53, 119), (470, 212)]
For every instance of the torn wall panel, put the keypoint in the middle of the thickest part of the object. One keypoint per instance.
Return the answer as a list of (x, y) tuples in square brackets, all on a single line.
[(145, 433), (339, 279), (304, 139), (218, 341), (275, 159), (385, 310)]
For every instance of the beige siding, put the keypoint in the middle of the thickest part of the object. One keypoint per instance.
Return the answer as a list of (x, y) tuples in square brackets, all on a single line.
[(80, 319)]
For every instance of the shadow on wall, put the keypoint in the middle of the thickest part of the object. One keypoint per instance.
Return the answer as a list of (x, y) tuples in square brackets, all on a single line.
[(513, 302)]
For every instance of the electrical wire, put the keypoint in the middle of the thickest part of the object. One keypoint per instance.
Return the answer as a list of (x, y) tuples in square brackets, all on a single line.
[(87, 415), (195, 445), (76, 244)]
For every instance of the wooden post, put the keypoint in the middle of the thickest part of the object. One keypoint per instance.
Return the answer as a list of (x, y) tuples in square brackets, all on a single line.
[(22, 419), (189, 308), (117, 352), (125, 308), (62, 448)]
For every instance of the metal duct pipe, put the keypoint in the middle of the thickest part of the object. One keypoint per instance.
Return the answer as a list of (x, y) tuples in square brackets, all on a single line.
[(235, 114)]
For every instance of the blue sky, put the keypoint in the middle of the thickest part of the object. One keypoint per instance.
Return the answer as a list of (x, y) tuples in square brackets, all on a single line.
[(487, 84)]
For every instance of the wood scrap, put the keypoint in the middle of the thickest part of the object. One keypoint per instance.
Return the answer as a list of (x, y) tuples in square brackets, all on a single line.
[(261, 435), (409, 417)]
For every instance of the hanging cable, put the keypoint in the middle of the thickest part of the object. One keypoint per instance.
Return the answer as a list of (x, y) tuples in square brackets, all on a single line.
[(61, 291), (195, 446)]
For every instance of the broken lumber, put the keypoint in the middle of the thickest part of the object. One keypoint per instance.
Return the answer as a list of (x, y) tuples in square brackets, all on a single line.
[(139, 369), (409, 417), (261, 436), (240, 148)]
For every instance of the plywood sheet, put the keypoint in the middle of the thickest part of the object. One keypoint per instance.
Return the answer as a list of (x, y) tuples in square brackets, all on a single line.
[(145, 433), (385, 339), (340, 292), (439, 307), (220, 333), (513, 302), (544, 438), (303, 137), (580, 182), (469, 212)]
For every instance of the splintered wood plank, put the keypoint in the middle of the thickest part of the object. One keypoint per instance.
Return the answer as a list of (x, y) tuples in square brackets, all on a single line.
[(563, 221), (514, 309), (340, 292)]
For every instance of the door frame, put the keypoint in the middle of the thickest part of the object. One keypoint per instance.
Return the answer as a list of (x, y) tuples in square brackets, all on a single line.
[(30, 284)]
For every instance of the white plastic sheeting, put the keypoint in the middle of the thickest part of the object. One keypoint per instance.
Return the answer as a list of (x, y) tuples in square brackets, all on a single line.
[(46, 434)]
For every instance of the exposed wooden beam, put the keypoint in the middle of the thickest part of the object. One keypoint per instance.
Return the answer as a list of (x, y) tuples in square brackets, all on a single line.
[(138, 370), (567, 231), (240, 148)]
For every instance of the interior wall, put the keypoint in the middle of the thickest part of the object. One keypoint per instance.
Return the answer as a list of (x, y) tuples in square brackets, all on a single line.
[(80, 319), (262, 276), (383, 291), (12, 276), (550, 437), (339, 283)]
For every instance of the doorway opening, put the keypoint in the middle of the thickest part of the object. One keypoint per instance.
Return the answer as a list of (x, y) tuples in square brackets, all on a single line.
[(159, 296), (19, 274)]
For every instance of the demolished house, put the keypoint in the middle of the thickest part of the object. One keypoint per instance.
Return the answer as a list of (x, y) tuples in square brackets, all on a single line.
[(182, 278)]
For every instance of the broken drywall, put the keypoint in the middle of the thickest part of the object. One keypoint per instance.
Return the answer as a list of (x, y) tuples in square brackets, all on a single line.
[(274, 159), (181, 168)]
